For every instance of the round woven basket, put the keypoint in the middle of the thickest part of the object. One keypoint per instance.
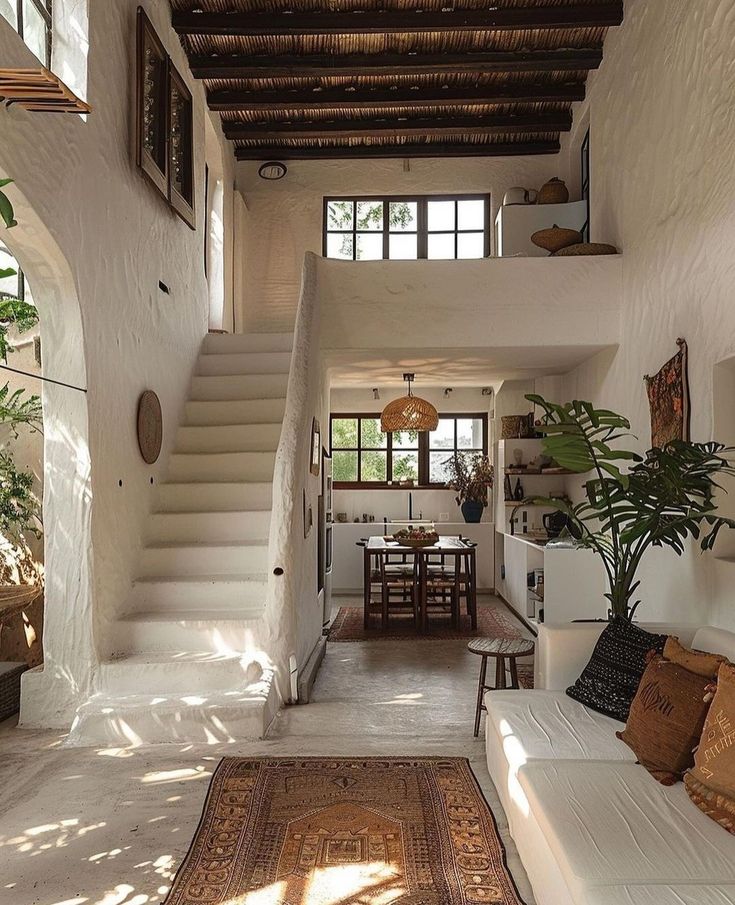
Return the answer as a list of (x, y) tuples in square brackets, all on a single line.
[(514, 427), (553, 192), (415, 542), (556, 238), (586, 248)]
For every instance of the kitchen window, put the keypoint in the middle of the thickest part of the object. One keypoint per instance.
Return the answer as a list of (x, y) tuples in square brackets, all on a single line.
[(364, 457), (407, 228), (32, 19)]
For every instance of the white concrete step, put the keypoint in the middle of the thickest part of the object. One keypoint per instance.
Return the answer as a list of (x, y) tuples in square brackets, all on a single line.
[(239, 386), (214, 559), (243, 594), (244, 363), (179, 672), (132, 720), (204, 496), (233, 343), (255, 466), (238, 411), (212, 631), (201, 527), (229, 438)]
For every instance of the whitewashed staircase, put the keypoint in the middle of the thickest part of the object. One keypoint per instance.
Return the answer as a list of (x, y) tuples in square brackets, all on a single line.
[(186, 663)]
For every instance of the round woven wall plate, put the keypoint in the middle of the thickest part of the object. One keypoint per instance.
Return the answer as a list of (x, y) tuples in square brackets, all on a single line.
[(150, 426)]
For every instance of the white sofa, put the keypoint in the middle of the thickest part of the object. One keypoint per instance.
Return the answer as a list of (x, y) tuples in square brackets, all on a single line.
[(592, 827)]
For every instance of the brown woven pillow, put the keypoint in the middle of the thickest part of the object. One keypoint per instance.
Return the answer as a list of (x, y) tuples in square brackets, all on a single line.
[(711, 781), (697, 661), (666, 719)]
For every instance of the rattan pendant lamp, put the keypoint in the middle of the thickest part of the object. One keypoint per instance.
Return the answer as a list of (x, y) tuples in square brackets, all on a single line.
[(409, 413)]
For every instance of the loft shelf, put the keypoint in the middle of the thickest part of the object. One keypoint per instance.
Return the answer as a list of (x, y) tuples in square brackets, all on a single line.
[(39, 91)]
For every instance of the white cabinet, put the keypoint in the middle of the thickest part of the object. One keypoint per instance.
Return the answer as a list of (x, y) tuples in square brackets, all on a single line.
[(516, 223)]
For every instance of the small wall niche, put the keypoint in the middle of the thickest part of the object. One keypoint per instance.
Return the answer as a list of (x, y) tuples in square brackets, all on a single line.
[(723, 429)]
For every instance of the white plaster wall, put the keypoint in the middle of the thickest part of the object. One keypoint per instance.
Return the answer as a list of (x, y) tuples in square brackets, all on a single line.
[(118, 238), (663, 190), (284, 218)]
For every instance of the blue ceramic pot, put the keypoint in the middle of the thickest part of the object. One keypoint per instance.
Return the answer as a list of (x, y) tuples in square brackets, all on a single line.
[(472, 510)]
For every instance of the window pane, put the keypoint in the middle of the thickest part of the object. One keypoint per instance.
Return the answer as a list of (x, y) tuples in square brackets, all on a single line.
[(339, 245), (405, 465), (372, 437), (441, 246), (437, 467), (402, 215), (369, 246), (340, 214), (374, 466), (370, 215), (470, 245), (9, 11), (443, 436), (34, 30), (471, 214), (344, 466), (344, 433), (405, 440), (403, 248), (441, 215), (469, 433)]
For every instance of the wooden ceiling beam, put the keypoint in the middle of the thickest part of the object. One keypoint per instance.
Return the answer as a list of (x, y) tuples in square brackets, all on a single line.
[(505, 149), (390, 64), (396, 128), (250, 24), (352, 97)]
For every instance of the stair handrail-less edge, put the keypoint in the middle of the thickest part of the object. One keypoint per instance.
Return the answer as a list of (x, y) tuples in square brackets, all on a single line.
[(287, 546)]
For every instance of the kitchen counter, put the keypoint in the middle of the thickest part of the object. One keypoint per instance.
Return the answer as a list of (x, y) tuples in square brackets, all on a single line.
[(347, 557)]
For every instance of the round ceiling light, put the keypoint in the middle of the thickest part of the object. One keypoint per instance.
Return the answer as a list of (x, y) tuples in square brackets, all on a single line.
[(409, 413), (272, 170)]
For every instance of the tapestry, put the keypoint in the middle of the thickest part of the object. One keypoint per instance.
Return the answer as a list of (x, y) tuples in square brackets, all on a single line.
[(345, 831), (668, 399)]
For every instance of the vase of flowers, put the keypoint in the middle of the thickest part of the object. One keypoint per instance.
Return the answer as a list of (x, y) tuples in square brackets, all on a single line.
[(470, 475)]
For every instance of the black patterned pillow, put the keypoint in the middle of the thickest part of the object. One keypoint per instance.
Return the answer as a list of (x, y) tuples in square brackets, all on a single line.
[(610, 680)]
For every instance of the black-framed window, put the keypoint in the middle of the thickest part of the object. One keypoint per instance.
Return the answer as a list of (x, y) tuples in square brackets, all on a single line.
[(406, 227), (585, 182), (364, 457), (32, 19)]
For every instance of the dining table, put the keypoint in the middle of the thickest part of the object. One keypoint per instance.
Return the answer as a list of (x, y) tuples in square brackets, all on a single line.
[(445, 547)]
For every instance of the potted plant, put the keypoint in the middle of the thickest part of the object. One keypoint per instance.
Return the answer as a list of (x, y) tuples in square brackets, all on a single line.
[(470, 475), (664, 496)]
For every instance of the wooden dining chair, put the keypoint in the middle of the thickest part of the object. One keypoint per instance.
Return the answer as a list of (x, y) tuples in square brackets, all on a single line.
[(443, 589), (399, 584)]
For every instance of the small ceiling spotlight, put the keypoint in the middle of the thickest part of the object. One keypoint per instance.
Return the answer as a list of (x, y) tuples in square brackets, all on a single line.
[(272, 170), (376, 393), (488, 391), (448, 391)]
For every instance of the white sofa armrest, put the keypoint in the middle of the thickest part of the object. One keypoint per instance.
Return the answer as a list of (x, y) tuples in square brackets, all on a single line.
[(562, 650)]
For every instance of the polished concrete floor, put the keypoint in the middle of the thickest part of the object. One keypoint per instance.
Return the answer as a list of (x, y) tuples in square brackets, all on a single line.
[(91, 826)]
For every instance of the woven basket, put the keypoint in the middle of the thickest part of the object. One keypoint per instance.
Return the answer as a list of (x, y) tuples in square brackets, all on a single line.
[(586, 248), (416, 542), (10, 674), (515, 427), (556, 238), (16, 596), (553, 192), (409, 413)]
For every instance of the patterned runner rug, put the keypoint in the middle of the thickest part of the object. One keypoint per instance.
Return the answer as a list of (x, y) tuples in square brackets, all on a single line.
[(492, 622), (345, 831)]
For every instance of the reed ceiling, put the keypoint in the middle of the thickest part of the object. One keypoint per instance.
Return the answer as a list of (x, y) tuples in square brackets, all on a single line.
[(394, 78)]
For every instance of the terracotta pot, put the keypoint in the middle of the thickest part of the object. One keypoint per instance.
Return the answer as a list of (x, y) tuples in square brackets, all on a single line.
[(556, 238), (553, 192)]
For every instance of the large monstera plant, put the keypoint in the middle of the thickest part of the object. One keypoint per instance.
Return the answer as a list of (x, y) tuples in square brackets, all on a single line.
[(632, 502)]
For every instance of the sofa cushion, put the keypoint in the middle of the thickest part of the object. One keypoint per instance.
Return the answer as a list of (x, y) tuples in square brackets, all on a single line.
[(717, 640), (666, 718), (612, 824), (662, 895), (610, 680), (711, 783), (697, 661)]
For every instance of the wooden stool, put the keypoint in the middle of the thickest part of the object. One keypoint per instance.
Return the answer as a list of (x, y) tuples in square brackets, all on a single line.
[(501, 649)]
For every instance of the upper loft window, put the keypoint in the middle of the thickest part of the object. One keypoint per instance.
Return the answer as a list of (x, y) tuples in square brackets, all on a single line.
[(406, 228), (32, 20)]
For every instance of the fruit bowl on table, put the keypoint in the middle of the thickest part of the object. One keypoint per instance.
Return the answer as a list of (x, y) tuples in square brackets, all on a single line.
[(416, 538)]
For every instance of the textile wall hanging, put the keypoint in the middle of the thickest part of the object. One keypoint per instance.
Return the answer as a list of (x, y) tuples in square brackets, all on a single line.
[(668, 399)]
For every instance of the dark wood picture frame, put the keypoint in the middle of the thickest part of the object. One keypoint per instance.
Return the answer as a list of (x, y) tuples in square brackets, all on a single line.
[(316, 448), (169, 130)]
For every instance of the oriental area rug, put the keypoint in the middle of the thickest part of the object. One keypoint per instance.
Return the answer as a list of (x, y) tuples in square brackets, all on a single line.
[(345, 831)]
